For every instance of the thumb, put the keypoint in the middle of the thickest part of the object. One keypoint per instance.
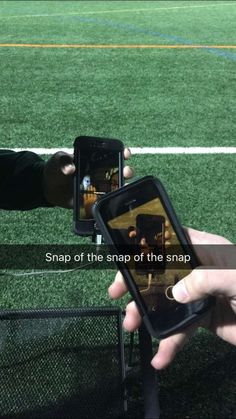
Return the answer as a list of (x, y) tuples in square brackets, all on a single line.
[(60, 163), (66, 163), (201, 283)]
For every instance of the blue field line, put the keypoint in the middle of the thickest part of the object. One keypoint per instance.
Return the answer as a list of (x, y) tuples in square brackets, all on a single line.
[(230, 55), (132, 28)]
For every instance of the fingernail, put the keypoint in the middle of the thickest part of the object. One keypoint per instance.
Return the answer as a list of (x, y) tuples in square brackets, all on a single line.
[(110, 289), (179, 291), (67, 169), (155, 363)]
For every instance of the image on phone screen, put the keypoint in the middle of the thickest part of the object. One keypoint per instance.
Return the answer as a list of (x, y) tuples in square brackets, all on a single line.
[(148, 227), (150, 244), (99, 174)]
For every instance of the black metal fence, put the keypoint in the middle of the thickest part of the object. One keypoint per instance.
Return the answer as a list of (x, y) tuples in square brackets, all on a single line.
[(62, 364)]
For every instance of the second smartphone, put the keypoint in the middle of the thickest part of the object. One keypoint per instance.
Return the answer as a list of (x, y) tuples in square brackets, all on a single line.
[(99, 170), (139, 221)]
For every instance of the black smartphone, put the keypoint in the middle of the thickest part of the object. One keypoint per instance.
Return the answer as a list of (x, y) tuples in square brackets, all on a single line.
[(99, 170), (140, 219)]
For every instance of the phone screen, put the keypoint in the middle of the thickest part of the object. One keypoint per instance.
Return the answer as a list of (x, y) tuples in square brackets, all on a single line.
[(98, 174), (148, 228)]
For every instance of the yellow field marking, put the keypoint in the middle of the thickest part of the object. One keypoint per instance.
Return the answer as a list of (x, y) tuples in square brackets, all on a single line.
[(104, 46), (116, 46), (156, 9)]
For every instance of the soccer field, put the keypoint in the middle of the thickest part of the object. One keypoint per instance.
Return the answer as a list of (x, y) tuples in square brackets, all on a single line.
[(153, 74)]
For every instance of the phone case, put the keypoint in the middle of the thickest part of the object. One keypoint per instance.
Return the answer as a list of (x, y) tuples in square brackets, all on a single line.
[(149, 318)]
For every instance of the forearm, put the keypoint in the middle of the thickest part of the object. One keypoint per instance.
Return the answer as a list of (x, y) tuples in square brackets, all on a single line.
[(21, 180)]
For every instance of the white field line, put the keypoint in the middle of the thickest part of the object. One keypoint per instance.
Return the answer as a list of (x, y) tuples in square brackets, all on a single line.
[(146, 150), (146, 9)]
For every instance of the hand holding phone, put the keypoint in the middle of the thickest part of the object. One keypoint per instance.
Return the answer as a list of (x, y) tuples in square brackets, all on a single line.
[(142, 212), (217, 255), (99, 170)]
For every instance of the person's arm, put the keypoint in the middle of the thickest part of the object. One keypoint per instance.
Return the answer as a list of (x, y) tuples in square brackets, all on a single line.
[(27, 181), (21, 181)]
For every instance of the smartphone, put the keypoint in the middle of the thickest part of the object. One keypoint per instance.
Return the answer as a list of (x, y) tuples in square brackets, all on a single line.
[(99, 170), (143, 211)]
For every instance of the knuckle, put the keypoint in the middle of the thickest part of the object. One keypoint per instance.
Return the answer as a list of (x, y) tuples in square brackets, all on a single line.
[(201, 278), (59, 154), (204, 237)]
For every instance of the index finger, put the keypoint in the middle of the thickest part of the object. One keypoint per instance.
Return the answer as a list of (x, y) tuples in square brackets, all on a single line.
[(118, 288), (127, 153)]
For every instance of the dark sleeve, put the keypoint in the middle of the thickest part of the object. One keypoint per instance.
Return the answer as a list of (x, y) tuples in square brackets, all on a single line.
[(21, 180)]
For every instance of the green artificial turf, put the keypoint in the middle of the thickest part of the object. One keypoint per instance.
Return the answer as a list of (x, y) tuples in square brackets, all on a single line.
[(201, 382), (146, 97)]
